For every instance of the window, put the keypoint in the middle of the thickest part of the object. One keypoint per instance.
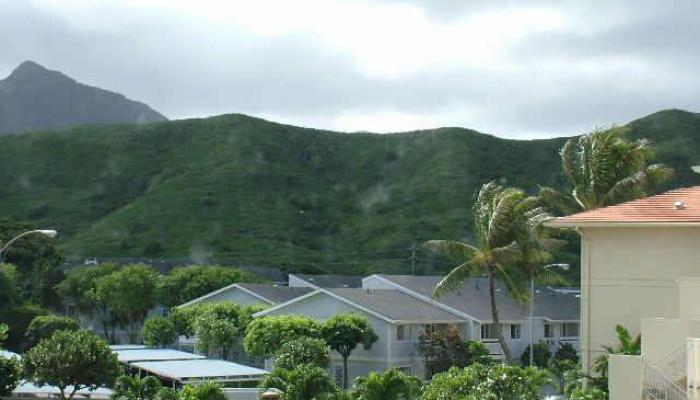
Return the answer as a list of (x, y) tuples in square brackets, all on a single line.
[(488, 332), (548, 331), (405, 369), (403, 333), (569, 329), (515, 331)]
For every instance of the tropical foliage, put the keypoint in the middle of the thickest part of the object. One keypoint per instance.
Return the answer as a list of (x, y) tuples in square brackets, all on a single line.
[(391, 384), (541, 355), (479, 382), (10, 375), (301, 383), (128, 387), (496, 251), (443, 350), (603, 168), (627, 345)]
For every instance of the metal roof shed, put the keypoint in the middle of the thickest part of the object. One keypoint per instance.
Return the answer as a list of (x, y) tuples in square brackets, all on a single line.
[(131, 356), (200, 371)]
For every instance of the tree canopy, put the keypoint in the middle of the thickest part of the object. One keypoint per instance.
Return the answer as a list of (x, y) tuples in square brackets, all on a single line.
[(265, 336), (183, 284), (79, 359), (343, 332), (304, 350), (158, 331), (130, 293), (44, 326)]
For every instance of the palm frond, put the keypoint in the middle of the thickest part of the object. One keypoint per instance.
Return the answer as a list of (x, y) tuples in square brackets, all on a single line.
[(454, 280), (451, 249)]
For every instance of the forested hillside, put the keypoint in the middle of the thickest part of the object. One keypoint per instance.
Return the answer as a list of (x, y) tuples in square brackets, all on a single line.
[(237, 187)]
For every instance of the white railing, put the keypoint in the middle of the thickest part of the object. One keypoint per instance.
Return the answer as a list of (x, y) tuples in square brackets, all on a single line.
[(663, 379)]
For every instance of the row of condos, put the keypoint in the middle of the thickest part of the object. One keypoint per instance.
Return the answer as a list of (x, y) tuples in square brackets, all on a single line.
[(402, 312)]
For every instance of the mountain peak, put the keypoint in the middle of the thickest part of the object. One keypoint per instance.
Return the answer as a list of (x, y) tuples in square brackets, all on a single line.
[(34, 97), (32, 70)]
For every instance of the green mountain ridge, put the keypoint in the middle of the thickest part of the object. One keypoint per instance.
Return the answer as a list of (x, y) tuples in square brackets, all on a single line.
[(242, 188)]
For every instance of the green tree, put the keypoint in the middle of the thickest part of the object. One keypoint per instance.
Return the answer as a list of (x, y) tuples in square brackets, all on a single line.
[(605, 168), (205, 391), (19, 319), (304, 382), (79, 359), (80, 288), (304, 350), (158, 331), (10, 375), (541, 355), (4, 333), (560, 368), (343, 332), (133, 387), (443, 350), (265, 336), (130, 293), (44, 326), (391, 384), (38, 262), (10, 295), (183, 284), (220, 326), (496, 253), (479, 382), (183, 319)]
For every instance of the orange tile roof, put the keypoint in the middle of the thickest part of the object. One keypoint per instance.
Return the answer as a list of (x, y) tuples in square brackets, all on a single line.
[(680, 206)]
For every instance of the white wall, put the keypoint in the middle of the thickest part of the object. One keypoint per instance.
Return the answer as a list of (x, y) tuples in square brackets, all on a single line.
[(628, 274)]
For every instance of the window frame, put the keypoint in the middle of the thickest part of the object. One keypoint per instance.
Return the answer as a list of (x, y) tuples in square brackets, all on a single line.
[(519, 331)]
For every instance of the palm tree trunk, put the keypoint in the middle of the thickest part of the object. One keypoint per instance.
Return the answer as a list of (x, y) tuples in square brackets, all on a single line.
[(496, 320)]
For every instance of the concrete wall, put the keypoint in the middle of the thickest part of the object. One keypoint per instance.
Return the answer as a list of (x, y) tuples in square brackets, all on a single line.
[(628, 274), (625, 373)]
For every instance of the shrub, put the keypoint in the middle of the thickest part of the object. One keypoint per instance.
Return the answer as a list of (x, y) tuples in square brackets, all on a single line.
[(541, 355)]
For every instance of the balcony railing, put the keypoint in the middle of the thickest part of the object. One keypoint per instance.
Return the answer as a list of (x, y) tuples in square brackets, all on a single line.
[(665, 378)]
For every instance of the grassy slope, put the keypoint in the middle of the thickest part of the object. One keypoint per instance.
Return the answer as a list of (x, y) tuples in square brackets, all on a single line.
[(239, 187)]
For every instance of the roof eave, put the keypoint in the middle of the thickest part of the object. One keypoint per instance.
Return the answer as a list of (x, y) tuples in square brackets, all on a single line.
[(619, 224)]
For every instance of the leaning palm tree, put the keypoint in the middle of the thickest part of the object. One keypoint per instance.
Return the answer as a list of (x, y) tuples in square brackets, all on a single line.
[(605, 168), (494, 254)]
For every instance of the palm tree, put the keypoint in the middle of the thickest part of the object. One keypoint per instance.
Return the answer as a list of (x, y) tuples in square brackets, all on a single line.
[(495, 253), (388, 385), (605, 168)]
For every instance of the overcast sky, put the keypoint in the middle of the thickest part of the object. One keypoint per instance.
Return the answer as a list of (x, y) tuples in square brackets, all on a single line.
[(519, 69)]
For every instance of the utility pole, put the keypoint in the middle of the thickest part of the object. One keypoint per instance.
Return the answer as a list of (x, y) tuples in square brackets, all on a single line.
[(413, 259)]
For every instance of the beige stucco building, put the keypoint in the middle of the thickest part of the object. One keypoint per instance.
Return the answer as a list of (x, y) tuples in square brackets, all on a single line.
[(640, 267)]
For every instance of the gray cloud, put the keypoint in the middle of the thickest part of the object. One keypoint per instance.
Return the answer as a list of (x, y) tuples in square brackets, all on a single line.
[(621, 61)]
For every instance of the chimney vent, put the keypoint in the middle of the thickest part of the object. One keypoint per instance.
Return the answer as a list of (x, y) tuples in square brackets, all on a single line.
[(679, 205)]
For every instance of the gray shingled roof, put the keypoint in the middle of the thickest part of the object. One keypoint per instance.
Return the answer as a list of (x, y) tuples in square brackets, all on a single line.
[(395, 305), (276, 294), (473, 299), (333, 281)]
